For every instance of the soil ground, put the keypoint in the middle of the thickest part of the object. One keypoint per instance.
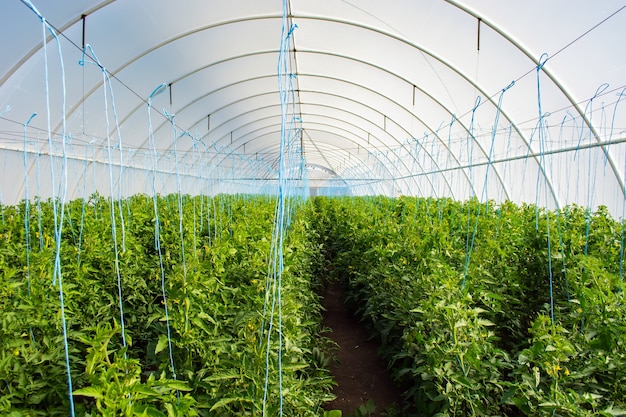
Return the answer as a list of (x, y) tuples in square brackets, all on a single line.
[(358, 371)]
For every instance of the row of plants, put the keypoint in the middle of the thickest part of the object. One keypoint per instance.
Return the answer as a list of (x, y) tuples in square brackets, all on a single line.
[(486, 309), (165, 312)]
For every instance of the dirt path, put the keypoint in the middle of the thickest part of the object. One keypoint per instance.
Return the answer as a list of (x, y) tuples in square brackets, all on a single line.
[(359, 372)]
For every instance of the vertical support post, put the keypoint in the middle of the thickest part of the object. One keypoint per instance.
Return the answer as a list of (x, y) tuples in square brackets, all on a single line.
[(478, 35), (169, 86), (84, 19), (208, 122)]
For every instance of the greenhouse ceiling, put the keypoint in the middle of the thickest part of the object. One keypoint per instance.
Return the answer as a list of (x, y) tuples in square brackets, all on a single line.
[(495, 100)]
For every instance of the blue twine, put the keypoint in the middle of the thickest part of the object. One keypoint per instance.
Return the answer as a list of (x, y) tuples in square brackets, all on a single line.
[(106, 81), (58, 219), (541, 133), (469, 238), (621, 254), (493, 139), (157, 237), (27, 206), (485, 186), (281, 216), (170, 117)]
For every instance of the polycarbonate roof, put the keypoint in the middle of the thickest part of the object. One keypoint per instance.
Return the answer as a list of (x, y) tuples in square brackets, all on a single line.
[(429, 97)]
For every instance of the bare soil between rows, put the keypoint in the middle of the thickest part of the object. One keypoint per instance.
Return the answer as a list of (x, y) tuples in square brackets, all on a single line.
[(358, 370)]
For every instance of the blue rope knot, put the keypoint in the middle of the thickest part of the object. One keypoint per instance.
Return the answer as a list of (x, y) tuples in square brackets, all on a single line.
[(293, 27), (170, 117), (477, 103), (542, 61), (158, 90), (32, 116), (508, 86), (600, 90)]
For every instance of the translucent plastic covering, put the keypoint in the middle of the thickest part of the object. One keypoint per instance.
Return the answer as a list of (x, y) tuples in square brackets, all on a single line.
[(492, 99)]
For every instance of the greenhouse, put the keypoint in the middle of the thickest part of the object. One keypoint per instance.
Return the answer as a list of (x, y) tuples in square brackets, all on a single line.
[(194, 194)]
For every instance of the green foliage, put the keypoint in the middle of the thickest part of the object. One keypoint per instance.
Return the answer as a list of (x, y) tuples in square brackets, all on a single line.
[(459, 294), (215, 275)]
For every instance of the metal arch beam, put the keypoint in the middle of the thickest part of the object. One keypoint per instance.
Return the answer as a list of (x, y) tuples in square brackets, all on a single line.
[(434, 132), (273, 117), (303, 17), (413, 115), (447, 65), (143, 103), (328, 131), (233, 150), (268, 118), (552, 78), (62, 29), (340, 21), (503, 185), (322, 168), (332, 118), (342, 56), (346, 98), (274, 146)]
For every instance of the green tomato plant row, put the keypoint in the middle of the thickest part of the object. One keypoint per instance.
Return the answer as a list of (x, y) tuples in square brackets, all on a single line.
[(214, 260), (486, 309)]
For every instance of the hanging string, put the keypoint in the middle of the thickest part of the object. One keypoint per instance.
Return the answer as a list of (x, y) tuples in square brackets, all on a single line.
[(58, 211), (157, 227), (542, 163), (493, 139), (175, 136), (6, 109), (494, 131), (470, 233), (27, 208), (197, 180), (274, 281), (621, 247), (39, 210), (105, 82), (590, 186), (83, 205)]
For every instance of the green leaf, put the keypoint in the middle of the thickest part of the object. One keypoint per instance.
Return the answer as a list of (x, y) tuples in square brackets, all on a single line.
[(147, 411), (217, 377), (145, 390), (332, 413), (225, 401), (161, 344), (460, 323), (92, 392), (615, 411), (177, 385), (537, 374), (295, 366)]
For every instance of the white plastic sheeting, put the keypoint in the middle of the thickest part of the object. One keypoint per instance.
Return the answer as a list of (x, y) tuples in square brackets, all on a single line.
[(428, 98)]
